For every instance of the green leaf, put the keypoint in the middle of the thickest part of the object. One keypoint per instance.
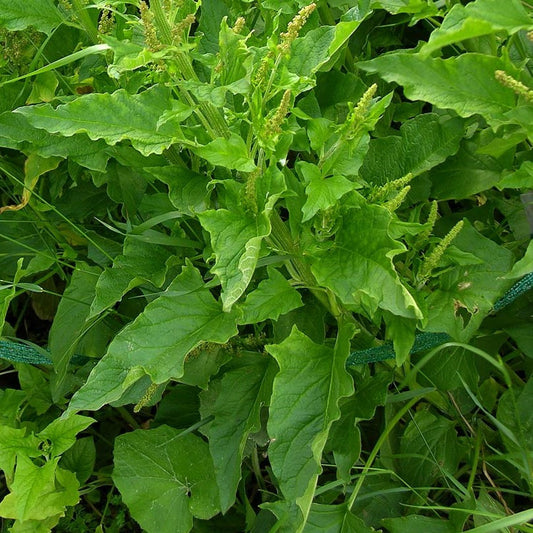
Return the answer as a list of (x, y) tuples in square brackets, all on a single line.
[(113, 118), (334, 519), (408, 524), (345, 437), (178, 470), (465, 83), (188, 190), (359, 267), (158, 340), (421, 8), (478, 18), (10, 402), (431, 449), (424, 142), (80, 458), (42, 15), (69, 323), (311, 51), (322, 192), (449, 180), (17, 133), (467, 293), (273, 297), (518, 179), (523, 266), (15, 442), (230, 153), (514, 412), (242, 393), (62, 432), (236, 238), (140, 263), (304, 404), (37, 492)]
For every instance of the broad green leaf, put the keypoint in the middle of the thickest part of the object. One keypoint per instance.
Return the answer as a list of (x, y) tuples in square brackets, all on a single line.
[(242, 393), (359, 267), (420, 8), (306, 391), (140, 263), (345, 438), (465, 174), (80, 458), (188, 190), (39, 492), (17, 133), (424, 142), (465, 83), (523, 266), (44, 88), (158, 340), (69, 323), (481, 17), (62, 432), (114, 117), (322, 193), (519, 179), (309, 319), (408, 524), (10, 402), (273, 297), (401, 331), (514, 412), (236, 238), (467, 293), (128, 56), (334, 519), (179, 407), (230, 153), (309, 52), (42, 15), (173, 474), (13, 442), (450, 369), (431, 449), (36, 526), (211, 16), (317, 46)]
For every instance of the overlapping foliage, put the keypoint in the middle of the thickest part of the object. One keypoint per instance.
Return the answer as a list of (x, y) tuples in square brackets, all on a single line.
[(216, 202)]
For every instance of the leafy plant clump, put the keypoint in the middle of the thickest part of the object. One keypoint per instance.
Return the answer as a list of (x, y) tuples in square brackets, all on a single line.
[(208, 209)]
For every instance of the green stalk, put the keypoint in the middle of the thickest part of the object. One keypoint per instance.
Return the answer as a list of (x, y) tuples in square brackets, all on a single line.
[(161, 22)]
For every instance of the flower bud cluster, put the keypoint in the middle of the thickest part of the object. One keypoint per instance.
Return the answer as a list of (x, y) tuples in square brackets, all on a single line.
[(273, 125), (397, 201), (358, 114), (518, 87), (106, 22), (432, 260), (150, 33), (182, 26), (294, 27)]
